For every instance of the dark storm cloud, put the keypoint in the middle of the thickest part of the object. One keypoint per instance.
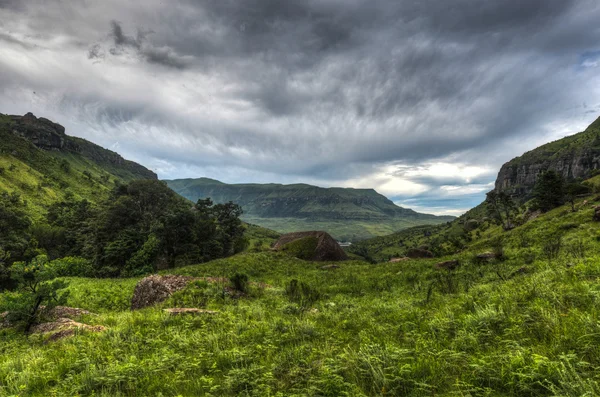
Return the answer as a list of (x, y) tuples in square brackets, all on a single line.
[(140, 45), (327, 90)]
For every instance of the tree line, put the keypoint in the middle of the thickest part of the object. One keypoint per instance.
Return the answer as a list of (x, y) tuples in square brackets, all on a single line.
[(142, 227)]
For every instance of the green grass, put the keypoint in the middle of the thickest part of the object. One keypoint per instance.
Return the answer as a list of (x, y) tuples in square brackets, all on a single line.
[(525, 326)]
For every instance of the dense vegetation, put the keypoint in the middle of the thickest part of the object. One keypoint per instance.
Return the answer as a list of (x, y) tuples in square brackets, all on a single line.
[(141, 227), (347, 214), (525, 324)]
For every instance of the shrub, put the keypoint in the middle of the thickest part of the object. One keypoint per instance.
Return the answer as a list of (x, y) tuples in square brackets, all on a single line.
[(239, 281), (301, 293)]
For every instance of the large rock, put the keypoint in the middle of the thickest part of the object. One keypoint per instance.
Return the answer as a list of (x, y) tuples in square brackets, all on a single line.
[(155, 289), (313, 246)]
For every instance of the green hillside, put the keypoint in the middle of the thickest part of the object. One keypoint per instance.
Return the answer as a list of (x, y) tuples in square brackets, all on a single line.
[(347, 214), (43, 175)]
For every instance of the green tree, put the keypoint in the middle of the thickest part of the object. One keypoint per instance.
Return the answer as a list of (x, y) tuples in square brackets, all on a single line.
[(549, 191), (15, 241), (37, 289), (574, 189), (501, 207)]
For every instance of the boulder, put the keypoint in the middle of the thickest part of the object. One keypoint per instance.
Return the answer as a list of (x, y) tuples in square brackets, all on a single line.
[(416, 253), (448, 265), (155, 289), (312, 246)]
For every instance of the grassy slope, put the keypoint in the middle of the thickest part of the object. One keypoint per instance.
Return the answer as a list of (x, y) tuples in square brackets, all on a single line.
[(526, 326), (347, 214), (38, 177)]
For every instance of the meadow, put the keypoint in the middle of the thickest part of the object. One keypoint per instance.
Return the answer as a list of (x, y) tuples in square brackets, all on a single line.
[(524, 325)]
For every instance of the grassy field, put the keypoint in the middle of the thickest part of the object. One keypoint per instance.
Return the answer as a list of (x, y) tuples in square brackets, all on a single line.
[(342, 230), (527, 325)]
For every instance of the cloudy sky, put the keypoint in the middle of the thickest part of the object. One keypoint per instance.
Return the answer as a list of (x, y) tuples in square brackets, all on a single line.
[(422, 100)]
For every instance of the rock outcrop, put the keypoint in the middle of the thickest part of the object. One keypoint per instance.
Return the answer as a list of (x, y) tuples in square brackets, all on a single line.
[(575, 156), (48, 135), (313, 246)]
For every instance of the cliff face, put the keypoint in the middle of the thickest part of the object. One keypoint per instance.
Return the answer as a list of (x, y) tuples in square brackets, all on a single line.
[(573, 157), (48, 135)]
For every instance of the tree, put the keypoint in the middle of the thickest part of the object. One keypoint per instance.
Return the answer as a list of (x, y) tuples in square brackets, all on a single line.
[(501, 207), (15, 241), (549, 191), (574, 189), (37, 289)]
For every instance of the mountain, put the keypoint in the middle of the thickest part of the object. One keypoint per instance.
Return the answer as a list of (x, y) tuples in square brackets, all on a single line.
[(575, 156), (348, 214), (43, 164)]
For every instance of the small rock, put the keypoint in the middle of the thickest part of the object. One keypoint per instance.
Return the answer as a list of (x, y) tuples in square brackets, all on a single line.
[(396, 260), (488, 256), (448, 265), (181, 310), (329, 267)]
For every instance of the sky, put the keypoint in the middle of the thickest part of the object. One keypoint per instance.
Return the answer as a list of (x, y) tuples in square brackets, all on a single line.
[(422, 100)]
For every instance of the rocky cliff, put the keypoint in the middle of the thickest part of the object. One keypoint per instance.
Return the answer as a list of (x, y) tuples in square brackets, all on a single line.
[(575, 156), (48, 135)]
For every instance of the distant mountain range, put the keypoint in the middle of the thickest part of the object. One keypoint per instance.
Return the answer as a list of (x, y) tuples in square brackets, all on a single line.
[(348, 214)]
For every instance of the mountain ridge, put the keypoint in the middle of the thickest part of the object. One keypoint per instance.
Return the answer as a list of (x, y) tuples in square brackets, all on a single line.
[(574, 156), (294, 207)]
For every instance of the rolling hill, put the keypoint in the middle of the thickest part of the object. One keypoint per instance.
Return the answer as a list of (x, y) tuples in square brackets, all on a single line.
[(347, 214)]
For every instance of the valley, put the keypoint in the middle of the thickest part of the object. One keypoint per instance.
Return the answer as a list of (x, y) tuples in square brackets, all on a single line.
[(503, 300)]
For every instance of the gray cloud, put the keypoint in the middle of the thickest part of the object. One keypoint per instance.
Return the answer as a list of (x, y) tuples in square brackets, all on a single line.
[(309, 90)]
